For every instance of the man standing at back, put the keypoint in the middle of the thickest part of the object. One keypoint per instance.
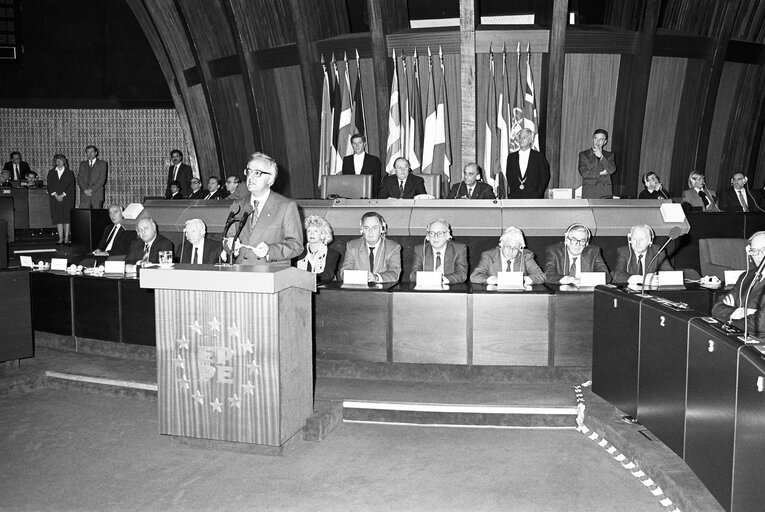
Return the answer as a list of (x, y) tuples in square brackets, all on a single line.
[(528, 172), (360, 162), (92, 179), (180, 172), (596, 167)]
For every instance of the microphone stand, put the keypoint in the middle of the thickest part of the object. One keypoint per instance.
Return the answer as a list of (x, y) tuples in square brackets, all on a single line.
[(673, 234)]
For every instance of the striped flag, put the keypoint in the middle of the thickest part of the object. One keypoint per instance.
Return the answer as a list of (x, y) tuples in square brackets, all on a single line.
[(404, 99), (394, 146), (517, 113), (344, 124), (359, 123), (530, 116), (490, 143), (325, 148), (431, 122), (414, 132), (337, 101), (442, 152), (504, 122)]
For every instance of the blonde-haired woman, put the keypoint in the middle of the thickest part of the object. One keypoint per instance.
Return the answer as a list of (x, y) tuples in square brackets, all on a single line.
[(317, 257)]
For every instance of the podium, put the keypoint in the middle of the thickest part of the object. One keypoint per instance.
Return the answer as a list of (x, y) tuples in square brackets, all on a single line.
[(234, 351)]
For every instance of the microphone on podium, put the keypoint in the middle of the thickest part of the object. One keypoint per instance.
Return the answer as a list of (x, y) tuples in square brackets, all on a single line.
[(674, 233)]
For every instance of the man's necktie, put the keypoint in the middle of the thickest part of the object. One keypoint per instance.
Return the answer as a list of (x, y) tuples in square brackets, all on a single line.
[(91, 163), (372, 259), (195, 256), (470, 193), (401, 189), (254, 214), (145, 252), (742, 200), (16, 173), (509, 266), (572, 268), (110, 238), (704, 198), (438, 260), (640, 264), (175, 172)]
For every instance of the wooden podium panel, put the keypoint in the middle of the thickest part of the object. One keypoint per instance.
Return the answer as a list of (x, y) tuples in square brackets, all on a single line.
[(233, 366), (16, 340)]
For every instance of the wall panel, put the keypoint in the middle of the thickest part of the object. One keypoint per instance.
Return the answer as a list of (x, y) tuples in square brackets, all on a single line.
[(234, 125), (293, 160), (726, 102)]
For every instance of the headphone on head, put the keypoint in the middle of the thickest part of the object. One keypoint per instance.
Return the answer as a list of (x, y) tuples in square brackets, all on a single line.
[(579, 227), (748, 247), (448, 227), (643, 226), (383, 224), (746, 180)]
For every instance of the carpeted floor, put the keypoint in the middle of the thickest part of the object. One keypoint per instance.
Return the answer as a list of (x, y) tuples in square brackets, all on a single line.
[(67, 450)]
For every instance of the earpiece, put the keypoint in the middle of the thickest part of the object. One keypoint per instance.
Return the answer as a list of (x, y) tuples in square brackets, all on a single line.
[(579, 227), (748, 250), (644, 226)]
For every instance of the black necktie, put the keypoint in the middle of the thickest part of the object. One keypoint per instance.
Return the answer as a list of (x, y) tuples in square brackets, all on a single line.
[(254, 214), (572, 268), (704, 198), (195, 256), (640, 264), (438, 260), (401, 189), (372, 259), (509, 266)]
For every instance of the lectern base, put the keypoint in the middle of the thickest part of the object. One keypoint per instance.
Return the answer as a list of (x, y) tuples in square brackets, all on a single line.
[(289, 446)]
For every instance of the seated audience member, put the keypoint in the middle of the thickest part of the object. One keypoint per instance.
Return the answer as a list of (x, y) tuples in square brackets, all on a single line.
[(147, 247), (115, 240), (31, 179), (441, 254), (16, 167), (698, 196), (175, 190), (197, 248), (738, 198), (373, 252), (5, 178), (197, 192), (232, 183), (734, 307), (402, 184), (317, 257), (567, 259), (633, 258), (470, 187), (653, 188), (214, 189), (510, 256)]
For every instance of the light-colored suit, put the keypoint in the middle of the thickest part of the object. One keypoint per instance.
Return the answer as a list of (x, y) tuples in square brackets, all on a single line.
[(491, 264), (93, 178), (387, 259), (454, 261), (278, 225)]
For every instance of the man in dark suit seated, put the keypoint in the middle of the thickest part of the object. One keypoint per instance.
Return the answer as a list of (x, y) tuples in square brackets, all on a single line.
[(16, 167), (470, 187), (373, 252), (450, 257), (528, 172), (115, 241), (175, 191), (180, 172), (402, 184), (197, 192), (360, 162), (738, 198), (635, 261), (567, 259), (5, 179), (510, 256), (734, 308), (147, 247), (197, 248), (214, 189)]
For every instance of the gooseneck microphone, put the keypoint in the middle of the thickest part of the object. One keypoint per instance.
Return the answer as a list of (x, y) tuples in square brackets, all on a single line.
[(246, 215), (674, 233)]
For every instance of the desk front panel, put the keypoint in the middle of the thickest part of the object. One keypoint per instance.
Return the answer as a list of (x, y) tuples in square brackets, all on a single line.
[(137, 313), (572, 334), (16, 341), (51, 302), (96, 308)]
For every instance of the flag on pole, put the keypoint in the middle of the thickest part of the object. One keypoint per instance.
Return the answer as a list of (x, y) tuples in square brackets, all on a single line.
[(490, 144), (517, 113), (530, 116), (344, 125), (442, 152), (394, 146), (359, 123), (404, 99), (414, 131), (325, 145), (504, 123), (431, 122), (337, 101)]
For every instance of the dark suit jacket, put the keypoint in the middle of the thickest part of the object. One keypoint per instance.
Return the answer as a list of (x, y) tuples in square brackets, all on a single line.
[(135, 253), (453, 259), (121, 243), (199, 194), (278, 225), (537, 176), (414, 186), (491, 265), (23, 170), (210, 252), (557, 262), (371, 166), (627, 263), (756, 321), (176, 196), (595, 185), (387, 259), (184, 177), (330, 265), (218, 194), (692, 199), (729, 200), (480, 191), (93, 178)]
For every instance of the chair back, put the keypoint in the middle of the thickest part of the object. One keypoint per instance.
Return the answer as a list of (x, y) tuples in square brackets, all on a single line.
[(351, 186), (432, 184)]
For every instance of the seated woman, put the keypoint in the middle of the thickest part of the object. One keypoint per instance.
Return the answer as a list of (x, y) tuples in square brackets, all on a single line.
[(653, 188), (317, 257), (698, 196)]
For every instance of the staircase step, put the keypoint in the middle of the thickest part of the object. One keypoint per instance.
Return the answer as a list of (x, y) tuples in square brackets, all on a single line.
[(101, 386)]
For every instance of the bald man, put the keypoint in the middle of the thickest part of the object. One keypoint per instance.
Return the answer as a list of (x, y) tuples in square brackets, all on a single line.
[(149, 244), (197, 248), (441, 254), (638, 259), (470, 187)]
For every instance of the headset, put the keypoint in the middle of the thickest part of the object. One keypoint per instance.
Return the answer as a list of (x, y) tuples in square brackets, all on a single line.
[(578, 227), (381, 220), (642, 226)]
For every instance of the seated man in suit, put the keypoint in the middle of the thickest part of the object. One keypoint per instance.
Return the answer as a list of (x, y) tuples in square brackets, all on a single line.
[(402, 184), (528, 172), (373, 252), (360, 162), (232, 183), (16, 167), (734, 308), (567, 259), (470, 187), (638, 260), (197, 248), (738, 198), (147, 247), (115, 241), (197, 192), (450, 257), (510, 256), (272, 231), (175, 191), (5, 179), (214, 189)]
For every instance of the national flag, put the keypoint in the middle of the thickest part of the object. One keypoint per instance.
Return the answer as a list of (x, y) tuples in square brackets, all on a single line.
[(431, 122), (404, 102), (325, 146), (414, 133), (394, 146), (490, 170), (517, 112), (359, 123), (344, 125), (530, 116), (337, 101), (504, 122), (442, 152)]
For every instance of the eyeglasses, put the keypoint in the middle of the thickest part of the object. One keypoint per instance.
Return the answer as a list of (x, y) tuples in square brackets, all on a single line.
[(576, 241), (255, 172), (404, 168), (757, 252), (437, 234), (514, 248)]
